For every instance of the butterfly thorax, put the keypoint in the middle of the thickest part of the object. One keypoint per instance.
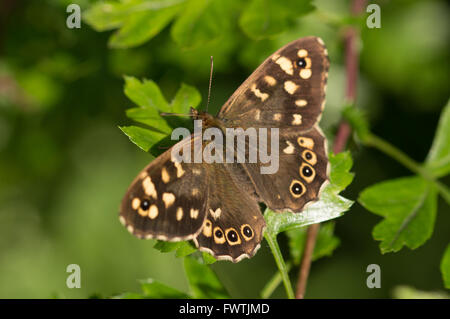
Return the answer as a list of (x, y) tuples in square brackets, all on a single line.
[(208, 120)]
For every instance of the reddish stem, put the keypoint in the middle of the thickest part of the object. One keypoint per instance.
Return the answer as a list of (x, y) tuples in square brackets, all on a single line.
[(342, 135)]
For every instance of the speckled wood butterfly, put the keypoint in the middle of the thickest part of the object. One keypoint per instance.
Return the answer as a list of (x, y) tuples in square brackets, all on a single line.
[(217, 205)]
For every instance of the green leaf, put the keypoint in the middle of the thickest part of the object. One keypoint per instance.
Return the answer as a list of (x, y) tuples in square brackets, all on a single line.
[(182, 248), (203, 281), (138, 20), (154, 289), (146, 94), (109, 15), (329, 206), (340, 175), (202, 21), (357, 120), (445, 267), (407, 292), (186, 97), (143, 138), (325, 245), (438, 159), (149, 117), (409, 208), (142, 26), (265, 18), (208, 258)]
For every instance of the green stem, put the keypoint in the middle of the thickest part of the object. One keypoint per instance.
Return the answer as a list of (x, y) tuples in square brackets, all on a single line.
[(273, 283), (395, 153), (273, 244)]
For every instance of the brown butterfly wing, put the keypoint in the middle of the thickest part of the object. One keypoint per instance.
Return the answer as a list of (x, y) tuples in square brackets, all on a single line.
[(167, 200), (302, 173), (286, 90), (234, 225)]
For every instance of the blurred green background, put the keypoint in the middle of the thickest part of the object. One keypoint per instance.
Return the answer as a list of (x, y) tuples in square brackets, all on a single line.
[(65, 165)]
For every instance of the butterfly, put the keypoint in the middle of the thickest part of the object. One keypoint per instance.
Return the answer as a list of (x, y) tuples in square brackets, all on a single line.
[(217, 204)]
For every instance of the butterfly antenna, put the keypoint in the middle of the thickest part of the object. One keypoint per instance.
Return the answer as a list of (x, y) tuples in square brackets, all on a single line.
[(210, 82), (174, 114)]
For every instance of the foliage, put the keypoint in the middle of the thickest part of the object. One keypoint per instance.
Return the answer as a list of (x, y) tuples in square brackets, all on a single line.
[(148, 97), (65, 166)]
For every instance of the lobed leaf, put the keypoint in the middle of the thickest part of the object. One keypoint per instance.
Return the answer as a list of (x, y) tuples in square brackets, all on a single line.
[(438, 159), (142, 137), (202, 21), (146, 94), (142, 26), (266, 18), (325, 245), (187, 96), (408, 206)]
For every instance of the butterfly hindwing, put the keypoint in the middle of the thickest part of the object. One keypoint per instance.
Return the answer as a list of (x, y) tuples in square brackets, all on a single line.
[(234, 224), (302, 173)]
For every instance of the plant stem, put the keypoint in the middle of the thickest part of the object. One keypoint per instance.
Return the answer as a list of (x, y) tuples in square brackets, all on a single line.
[(311, 237), (351, 65), (390, 150), (273, 283), (273, 244)]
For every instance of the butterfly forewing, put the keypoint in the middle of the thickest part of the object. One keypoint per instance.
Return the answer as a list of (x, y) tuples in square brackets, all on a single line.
[(167, 200), (286, 90)]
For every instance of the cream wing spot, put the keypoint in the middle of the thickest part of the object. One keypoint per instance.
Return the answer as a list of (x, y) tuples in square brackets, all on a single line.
[(305, 73), (143, 175), (135, 203), (306, 142), (270, 80), (153, 212), (207, 228), (180, 170), (277, 117), (165, 175), (195, 191), (285, 64), (289, 149), (179, 214), (130, 228), (258, 93), (290, 87), (168, 199), (302, 53), (301, 103), (194, 213), (308, 63), (297, 119), (215, 214), (149, 187)]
